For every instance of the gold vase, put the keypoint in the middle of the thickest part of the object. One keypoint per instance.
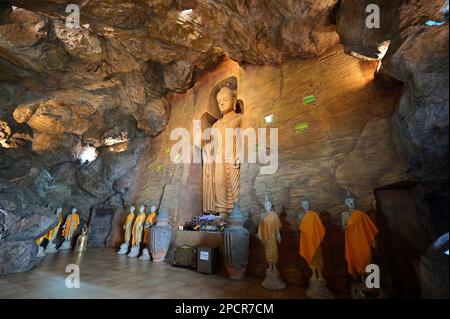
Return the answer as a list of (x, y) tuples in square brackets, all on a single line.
[(82, 240)]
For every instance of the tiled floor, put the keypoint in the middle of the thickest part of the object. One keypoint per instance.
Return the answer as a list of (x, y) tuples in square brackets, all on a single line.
[(103, 274)]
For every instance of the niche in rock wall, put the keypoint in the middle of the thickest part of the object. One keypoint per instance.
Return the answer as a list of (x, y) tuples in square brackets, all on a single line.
[(100, 227)]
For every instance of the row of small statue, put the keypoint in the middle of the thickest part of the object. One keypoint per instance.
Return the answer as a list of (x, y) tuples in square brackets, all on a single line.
[(137, 229), (360, 234), (69, 229)]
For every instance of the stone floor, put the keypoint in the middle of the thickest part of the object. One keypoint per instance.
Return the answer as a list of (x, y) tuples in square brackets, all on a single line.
[(103, 274)]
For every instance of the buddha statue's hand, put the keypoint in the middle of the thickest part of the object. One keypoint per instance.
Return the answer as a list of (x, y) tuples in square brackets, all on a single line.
[(279, 238)]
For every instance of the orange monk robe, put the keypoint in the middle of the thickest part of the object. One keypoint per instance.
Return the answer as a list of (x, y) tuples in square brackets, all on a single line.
[(267, 233), (151, 218), (311, 235), (40, 240), (73, 220), (139, 220), (359, 235), (51, 234)]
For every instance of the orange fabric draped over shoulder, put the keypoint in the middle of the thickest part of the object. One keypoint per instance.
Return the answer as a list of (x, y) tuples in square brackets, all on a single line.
[(268, 226), (55, 229), (359, 235), (312, 232), (73, 218), (139, 219)]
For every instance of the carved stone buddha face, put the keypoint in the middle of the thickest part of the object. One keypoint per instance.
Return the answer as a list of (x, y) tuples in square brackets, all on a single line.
[(306, 204), (350, 202), (226, 100)]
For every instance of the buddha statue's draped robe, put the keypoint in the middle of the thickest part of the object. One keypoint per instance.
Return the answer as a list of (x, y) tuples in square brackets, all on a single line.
[(128, 226), (268, 229), (137, 229), (360, 233), (312, 232), (221, 180), (71, 225), (52, 233)]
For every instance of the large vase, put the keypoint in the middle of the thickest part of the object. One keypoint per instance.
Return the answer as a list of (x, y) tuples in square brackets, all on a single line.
[(160, 236), (236, 245)]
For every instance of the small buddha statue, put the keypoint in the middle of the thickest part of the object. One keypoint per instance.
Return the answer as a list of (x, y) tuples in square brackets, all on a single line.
[(269, 235), (149, 222), (51, 235), (70, 228), (127, 227), (41, 252), (137, 232), (312, 233), (360, 233)]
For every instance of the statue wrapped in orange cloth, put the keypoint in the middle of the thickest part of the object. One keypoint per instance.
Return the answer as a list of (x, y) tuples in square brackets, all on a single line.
[(360, 233), (41, 252), (269, 235), (127, 227), (70, 228), (150, 220), (51, 235), (137, 232), (312, 233)]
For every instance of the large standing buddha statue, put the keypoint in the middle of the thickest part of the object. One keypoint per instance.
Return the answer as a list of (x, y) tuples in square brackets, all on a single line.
[(221, 174)]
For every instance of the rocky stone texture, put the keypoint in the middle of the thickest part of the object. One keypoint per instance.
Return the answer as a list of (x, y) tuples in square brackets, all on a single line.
[(124, 79), (348, 144), (417, 55)]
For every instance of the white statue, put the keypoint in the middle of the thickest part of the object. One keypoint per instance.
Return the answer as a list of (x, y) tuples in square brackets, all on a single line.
[(360, 233), (51, 246), (70, 228), (137, 232), (127, 227), (312, 233), (150, 220)]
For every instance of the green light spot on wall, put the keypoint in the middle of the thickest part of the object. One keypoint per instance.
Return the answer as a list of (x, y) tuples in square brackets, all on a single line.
[(160, 168), (309, 99), (301, 127)]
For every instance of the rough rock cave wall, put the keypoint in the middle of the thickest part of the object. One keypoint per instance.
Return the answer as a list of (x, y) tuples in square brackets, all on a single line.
[(109, 84), (349, 142)]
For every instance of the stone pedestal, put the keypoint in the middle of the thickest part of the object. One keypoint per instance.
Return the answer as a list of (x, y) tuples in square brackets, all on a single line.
[(66, 245), (41, 252), (318, 289), (145, 255), (123, 249), (160, 236), (236, 242), (134, 252), (273, 280), (51, 248)]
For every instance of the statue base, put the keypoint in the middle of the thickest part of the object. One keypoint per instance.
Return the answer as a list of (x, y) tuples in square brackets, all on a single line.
[(318, 289), (134, 252), (123, 249), (41, 252), (51, 248), (65, 245), (145, 255), (236, 274), (273, 280)]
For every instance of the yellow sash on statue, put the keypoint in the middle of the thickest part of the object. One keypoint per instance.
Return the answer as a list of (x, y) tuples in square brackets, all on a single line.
[(359, 235), (139, 219), (268, 226), (54, 230), (72, 220), (311, 235)]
